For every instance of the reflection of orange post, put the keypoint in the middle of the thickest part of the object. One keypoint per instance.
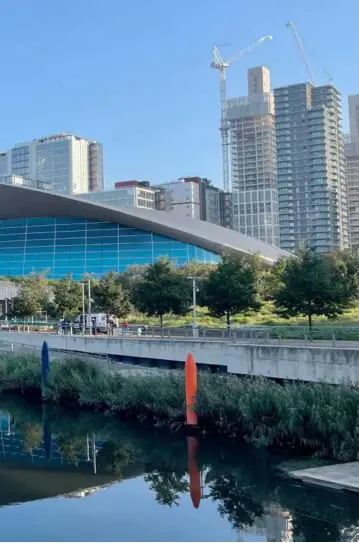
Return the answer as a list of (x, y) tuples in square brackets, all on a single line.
[(194, 473), (191, 390)]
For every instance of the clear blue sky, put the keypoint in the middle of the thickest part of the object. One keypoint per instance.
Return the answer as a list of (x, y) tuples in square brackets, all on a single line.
[(135, 75)]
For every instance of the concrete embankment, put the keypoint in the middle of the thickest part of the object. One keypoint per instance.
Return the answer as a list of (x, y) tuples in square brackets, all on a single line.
[(338, 476), (303, 363)]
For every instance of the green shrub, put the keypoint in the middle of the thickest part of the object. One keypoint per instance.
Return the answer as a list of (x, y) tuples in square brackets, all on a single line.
[(76, 381), (19, 373)]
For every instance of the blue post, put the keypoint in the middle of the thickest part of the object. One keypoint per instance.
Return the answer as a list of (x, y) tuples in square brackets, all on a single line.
[(45, 365)]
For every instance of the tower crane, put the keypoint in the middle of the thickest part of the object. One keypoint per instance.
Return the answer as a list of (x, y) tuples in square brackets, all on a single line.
[(302, 52), (222, 65)]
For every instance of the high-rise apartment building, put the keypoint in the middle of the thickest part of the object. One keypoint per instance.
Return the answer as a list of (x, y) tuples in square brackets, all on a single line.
[(353, 102), (254, 160), (68, 163), (352, 168), (312, 192)]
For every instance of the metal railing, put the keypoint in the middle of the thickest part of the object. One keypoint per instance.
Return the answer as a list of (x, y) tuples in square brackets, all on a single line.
[(294, 335), (331, 335), (16, 348)]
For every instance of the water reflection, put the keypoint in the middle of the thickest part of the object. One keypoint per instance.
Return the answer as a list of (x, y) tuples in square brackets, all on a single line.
[(46, 452)]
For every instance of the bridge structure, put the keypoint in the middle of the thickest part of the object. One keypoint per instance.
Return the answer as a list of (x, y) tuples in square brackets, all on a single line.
[(299, 360)]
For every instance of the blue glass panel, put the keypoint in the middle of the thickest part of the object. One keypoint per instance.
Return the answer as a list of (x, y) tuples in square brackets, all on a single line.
[(37, 221), (68, 221), (42, 228), (39, 236), (47, 250), (14, 222), (69, 242), (4, 231), (93, 225), (6, 245), (39, 243), (77, 246)]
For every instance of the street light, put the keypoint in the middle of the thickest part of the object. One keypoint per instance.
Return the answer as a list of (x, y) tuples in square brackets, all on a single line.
[(194, 280), (89, 306), (83, 309), (6, 305), (89, 302)]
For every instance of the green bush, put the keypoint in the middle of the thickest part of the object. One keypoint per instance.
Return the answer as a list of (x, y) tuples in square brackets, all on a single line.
[(19, 373), (76, 381), (315, 417)]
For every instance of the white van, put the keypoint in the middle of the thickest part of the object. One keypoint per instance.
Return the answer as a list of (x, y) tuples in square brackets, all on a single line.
[(98, 320)]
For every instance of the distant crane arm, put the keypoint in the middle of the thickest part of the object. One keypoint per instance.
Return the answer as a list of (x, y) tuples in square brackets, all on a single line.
[(302, 52), (218, 61), (249, 48), (222, 65)]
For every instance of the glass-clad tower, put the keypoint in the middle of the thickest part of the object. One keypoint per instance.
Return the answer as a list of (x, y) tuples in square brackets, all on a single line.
[(312, 192)]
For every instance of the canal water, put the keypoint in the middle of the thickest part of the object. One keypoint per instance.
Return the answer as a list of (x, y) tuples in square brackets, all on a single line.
[(72, 476)]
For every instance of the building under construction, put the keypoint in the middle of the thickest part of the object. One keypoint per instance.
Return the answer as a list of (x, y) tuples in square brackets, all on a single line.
[(253, 159)]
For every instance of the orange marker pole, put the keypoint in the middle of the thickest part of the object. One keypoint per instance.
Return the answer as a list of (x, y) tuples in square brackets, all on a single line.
[(194, 473), (190, 371)]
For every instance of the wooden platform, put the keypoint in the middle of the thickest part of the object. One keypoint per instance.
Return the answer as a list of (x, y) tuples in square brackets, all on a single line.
[(338, 476)]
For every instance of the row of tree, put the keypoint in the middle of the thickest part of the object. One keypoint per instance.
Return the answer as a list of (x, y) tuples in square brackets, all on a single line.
[(307, 285)]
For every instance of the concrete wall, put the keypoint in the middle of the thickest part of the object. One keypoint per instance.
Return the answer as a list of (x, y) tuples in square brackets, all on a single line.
[(332, 365)]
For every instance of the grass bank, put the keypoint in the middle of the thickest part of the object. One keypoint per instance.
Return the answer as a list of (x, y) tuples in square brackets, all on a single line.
[(310, 417), (265, 317)]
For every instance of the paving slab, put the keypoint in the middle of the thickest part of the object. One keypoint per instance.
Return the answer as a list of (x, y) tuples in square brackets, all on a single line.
[(338, 476)]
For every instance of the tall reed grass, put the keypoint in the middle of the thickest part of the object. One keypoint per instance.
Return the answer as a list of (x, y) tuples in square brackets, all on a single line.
[(314, 417)]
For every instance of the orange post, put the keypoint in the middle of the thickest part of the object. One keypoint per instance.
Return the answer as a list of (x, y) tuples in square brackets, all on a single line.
[(194, 473), (191, 390)]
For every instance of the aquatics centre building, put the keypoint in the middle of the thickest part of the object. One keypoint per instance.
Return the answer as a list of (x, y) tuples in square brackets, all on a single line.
[(44, 231)]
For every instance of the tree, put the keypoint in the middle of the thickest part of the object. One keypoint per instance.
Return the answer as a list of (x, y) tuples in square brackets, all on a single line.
[(269, 279), (162, 290), (235, 502), (131, 277), (67, 298), (110, 297), (32, 299), (196, 269), (316, 285), (114, 456), (232, 288), (167, 485)]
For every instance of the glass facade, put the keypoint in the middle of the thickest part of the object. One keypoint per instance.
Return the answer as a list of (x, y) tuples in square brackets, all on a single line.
[(20, 161), (79, 246), (53, 164)]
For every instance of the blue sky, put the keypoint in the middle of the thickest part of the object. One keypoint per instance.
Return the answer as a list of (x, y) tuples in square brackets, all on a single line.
[(135, 75)]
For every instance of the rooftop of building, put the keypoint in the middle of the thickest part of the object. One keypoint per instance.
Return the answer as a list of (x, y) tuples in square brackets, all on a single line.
[(54, 137), (17, 202)]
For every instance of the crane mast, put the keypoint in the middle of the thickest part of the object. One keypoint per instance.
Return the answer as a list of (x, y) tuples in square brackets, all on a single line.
[(302, 51), (222, 65)]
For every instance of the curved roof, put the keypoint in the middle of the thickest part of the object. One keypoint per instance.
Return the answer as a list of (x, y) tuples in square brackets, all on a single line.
[(19, 202)]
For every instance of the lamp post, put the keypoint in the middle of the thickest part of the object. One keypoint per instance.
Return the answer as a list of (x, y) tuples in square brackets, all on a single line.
[(89, 306), (194, 305), (83, 309), (5, 304)]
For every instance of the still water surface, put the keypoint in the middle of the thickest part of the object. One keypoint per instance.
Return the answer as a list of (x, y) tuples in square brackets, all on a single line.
[(69, 476)]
